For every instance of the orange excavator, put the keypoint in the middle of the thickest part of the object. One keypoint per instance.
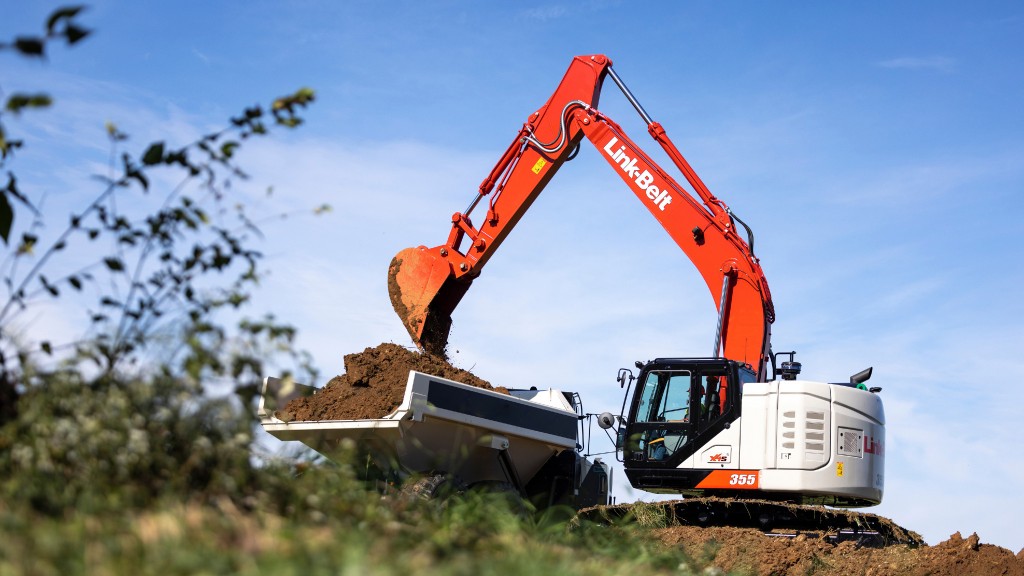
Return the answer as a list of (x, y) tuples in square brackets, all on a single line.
[(715, 426)]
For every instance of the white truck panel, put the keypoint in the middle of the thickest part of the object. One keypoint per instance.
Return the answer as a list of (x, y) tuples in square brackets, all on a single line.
[(440, 425)]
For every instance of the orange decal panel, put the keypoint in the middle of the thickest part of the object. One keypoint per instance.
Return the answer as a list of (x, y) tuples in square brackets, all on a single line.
[(732, 480)]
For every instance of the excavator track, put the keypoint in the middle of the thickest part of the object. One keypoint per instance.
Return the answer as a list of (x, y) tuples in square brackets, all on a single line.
[(777, 519)]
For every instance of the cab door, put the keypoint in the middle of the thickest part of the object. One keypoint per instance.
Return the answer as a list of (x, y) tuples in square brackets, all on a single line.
[(679, 408), (661, 418)]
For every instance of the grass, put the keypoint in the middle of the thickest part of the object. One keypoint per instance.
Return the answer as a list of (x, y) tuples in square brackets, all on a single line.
[(474, 535), (133, 479)]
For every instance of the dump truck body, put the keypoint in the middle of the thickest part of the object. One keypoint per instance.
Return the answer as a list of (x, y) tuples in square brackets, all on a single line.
[(479, 436)]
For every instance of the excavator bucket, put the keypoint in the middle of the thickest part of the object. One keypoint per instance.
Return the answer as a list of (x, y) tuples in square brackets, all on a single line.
[(424, 292)]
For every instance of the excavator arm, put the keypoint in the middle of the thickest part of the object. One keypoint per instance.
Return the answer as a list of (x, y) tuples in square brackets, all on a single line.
[(426, 284)]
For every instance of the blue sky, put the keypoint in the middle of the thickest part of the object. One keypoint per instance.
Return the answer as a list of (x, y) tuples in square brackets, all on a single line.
[(877, 150)]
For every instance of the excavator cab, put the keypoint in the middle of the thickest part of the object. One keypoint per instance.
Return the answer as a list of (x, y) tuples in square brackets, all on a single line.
[(677, 403)]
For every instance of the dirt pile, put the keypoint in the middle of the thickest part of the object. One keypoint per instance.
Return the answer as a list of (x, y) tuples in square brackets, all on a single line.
[(373, 385), (748, 551)]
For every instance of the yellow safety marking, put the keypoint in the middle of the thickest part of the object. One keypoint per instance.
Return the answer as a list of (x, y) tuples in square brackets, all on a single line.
[(839, 469), (541, 163)]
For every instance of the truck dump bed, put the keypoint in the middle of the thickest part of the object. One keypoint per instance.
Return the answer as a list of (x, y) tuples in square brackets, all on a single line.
[(441, 426)]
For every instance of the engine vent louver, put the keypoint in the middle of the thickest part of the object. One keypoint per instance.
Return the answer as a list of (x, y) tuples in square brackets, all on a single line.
[(805, 438)]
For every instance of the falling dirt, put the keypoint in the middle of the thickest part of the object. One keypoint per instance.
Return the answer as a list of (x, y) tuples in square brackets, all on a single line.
[(373, 385), (748, 551)]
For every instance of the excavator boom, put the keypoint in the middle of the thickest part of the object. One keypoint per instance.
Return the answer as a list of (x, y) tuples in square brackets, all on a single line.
[(426, 284)]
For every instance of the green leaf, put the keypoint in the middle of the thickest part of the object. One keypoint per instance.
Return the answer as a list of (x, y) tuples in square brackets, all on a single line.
[(114, 264), (28, 243), (154, 154), (29, 46), (75, 33), (6, 217), (49, 287), (138, 175), (16, 102), (228, 149), (65, 13)]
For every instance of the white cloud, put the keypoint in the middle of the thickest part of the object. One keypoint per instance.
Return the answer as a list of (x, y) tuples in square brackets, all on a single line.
[(545, 13), (933, 63), (909, 182)]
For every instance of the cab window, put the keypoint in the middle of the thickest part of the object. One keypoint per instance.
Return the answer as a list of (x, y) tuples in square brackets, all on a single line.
[(665, 397)]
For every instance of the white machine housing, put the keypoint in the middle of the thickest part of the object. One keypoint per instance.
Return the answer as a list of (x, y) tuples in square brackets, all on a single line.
[(803, 436)]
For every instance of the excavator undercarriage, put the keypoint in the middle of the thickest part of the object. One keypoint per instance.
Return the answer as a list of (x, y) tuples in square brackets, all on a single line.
[(776, 519)]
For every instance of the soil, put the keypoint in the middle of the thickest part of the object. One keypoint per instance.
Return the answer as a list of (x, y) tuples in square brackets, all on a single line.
[(373, 385), (748, 551)]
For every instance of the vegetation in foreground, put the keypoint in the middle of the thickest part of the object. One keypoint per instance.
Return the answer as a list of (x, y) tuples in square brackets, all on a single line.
[(143, 478)]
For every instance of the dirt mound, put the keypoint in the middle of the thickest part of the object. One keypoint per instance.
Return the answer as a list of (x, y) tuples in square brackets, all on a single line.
[(373, 385), (748, 551)]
